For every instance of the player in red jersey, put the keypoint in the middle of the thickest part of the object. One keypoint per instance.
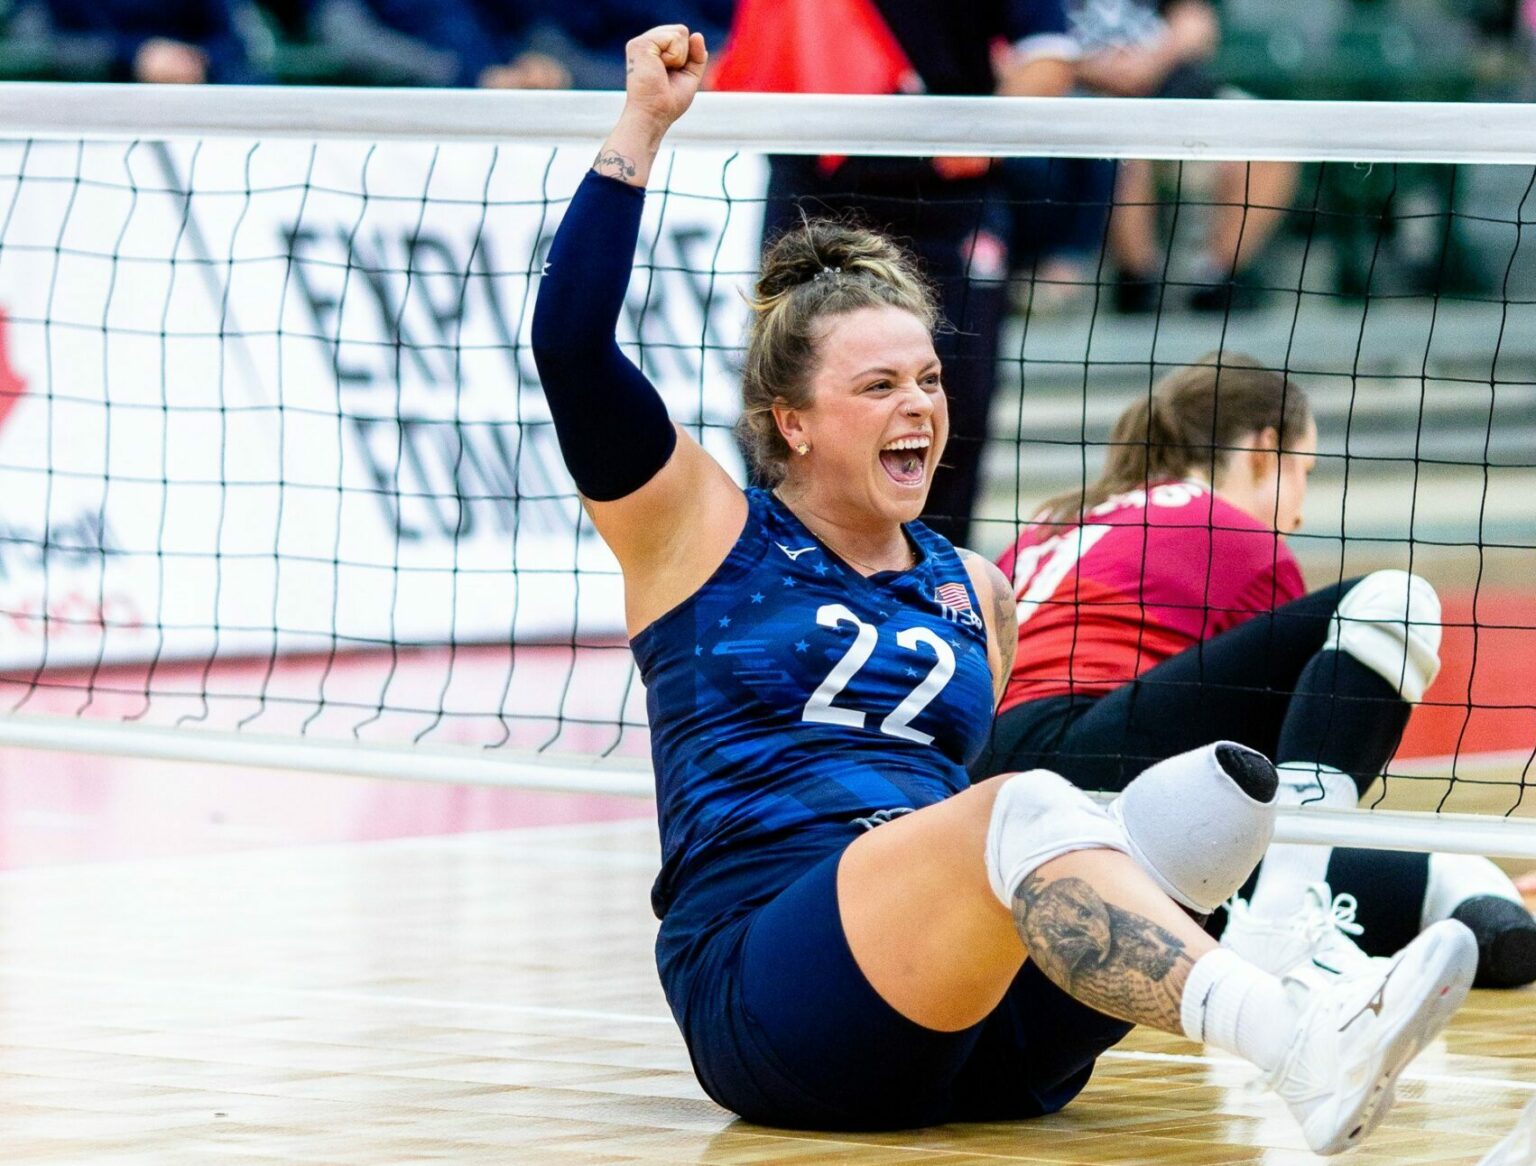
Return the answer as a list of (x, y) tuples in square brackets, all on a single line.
[(1161, 607)]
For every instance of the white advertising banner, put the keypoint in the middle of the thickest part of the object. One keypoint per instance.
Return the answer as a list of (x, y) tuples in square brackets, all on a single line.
[(279, 397)]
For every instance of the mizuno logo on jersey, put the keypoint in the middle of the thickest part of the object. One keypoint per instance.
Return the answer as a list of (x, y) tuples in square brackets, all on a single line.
[(795, 554), (880, 817), (955, 603)]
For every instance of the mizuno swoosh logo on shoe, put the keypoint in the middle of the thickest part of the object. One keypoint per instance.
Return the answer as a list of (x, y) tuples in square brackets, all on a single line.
[(1317, 963), (795, 554), (1373, 1005)]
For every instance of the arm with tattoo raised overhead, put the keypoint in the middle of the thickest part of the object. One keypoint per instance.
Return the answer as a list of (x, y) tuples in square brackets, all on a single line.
[(666, 509), (613, 428), (1002, 617)]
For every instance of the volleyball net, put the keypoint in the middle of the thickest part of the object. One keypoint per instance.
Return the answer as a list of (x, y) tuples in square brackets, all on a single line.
[(280, 486)]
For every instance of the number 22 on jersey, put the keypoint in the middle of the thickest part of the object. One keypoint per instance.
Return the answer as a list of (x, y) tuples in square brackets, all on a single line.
[(820, 708)]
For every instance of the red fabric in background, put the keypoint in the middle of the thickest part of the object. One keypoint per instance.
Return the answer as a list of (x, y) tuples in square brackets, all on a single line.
[(812, 46)]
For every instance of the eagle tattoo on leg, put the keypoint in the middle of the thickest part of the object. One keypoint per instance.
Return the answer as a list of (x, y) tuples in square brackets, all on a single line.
[(1113, 960)]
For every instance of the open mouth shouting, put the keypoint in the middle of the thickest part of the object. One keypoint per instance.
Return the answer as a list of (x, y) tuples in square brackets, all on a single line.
[(906, 459)]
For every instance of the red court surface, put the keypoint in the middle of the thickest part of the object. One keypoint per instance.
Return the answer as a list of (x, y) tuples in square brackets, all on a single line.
[(1484, 700)]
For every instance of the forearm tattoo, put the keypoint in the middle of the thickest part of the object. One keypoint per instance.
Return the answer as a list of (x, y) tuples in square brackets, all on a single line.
[(1111, 959), (615, 165)]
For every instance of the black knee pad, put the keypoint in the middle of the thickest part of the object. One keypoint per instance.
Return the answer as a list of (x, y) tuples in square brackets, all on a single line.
[(1506, 941)]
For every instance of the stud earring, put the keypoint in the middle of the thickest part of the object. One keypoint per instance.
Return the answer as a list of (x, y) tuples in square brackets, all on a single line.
[(803, 448)]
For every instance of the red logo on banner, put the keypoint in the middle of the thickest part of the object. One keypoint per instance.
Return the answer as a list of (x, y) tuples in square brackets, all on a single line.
[(11, 385)]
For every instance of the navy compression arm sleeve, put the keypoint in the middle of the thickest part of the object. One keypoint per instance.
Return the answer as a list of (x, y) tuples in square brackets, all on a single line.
[(613, 428)]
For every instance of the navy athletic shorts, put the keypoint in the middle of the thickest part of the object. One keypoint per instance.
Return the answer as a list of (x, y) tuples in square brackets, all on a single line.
[(785, 1031)]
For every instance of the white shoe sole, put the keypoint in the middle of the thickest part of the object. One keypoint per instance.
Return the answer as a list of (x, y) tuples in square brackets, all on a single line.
[(1446, 965)]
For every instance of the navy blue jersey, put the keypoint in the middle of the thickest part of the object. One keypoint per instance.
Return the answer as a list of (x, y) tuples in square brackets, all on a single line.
[(790, 692)]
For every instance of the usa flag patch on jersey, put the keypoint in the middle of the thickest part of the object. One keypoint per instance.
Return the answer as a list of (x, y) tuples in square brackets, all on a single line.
[(955, 603)]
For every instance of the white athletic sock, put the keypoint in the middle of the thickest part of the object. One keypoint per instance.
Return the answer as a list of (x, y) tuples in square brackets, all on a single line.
[(1239, 1009), (1288, 869), (1455, 878)]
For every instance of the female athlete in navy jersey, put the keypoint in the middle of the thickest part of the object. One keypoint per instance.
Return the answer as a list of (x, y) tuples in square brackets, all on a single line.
[(1161, 607), (845, 920)]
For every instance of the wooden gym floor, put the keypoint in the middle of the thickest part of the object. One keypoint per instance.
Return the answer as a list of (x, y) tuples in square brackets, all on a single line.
[(489, 997)]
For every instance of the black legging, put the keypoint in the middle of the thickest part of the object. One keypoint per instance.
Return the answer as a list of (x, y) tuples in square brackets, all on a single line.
[(1268, 684)]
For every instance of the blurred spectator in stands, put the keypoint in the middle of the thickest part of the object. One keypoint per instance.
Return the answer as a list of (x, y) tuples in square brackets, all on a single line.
[(439, 43), (1505, 37), (1059, 209), (589, 36), (185, 42), (1162, 48), (290, 18), (537, 48), (950, 210), (1496, 19), (493, 44)]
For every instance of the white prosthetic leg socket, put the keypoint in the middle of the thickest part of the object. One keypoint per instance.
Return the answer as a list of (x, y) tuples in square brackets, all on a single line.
[(1290, 868), (1193, 829), (1038, 816), (1390, 622)]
